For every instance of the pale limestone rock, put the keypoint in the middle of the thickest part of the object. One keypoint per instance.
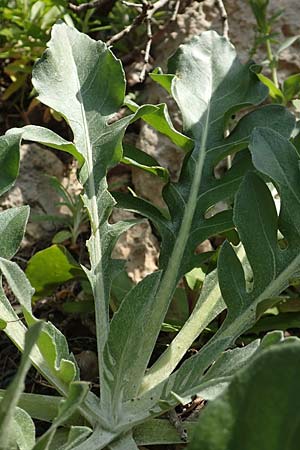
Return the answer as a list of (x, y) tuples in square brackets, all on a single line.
[(138, 246), (32, 187)]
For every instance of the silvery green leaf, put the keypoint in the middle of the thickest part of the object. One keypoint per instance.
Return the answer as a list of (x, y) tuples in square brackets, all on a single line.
[(125, 364), (9, 161), (13, 222), (87, 89), (8, 415), (45, 137), (249, 406), (23, 431), (77, 393), (216, 87)]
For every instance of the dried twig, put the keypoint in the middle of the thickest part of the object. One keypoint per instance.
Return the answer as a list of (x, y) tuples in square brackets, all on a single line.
[(146, 11), (176, 10), (224, 16), (137, 21), (175, 420), (147, 50), (156, 6), (130, 4), (90, 5)]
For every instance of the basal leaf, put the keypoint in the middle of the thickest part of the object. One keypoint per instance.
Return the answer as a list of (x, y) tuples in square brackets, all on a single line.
[(125, 365), (76, 395), (23, 431), (87, 89), (266, 270), (271, 266), (209, 76), (208, 306), (249, 407), (226, 85), (208, 386)]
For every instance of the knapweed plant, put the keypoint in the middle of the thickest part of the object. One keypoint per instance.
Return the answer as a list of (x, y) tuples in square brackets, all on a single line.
[(82, 80)]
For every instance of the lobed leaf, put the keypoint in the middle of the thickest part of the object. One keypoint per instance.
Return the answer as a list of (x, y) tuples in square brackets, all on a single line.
[(268, 264), (216, 86)]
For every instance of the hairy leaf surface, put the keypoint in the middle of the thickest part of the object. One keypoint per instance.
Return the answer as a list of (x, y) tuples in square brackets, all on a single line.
[(249, 407), (216, 87)]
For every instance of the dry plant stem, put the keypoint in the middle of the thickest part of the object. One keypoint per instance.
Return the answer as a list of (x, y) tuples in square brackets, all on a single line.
[(91, 5), (224, 17), (175, 420), (146, 12), (176, 10), (137, 21), (159, 4), (147, 51)]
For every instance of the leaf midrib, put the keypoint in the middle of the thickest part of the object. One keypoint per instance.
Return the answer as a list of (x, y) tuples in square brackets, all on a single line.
[(96, 249)]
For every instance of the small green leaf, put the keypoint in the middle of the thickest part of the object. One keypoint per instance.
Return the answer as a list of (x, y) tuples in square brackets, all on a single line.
[(51, 267), (195, 278), (61, 236), (291, 87), (249, 407), (141, 160), (160, 120), (165, 80), (274, 91), (287, 43)]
